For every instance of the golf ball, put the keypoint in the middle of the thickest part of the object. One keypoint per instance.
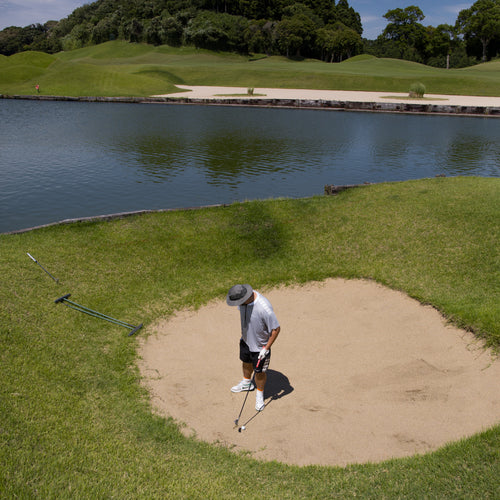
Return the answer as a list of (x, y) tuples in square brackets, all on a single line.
[(242, 428)]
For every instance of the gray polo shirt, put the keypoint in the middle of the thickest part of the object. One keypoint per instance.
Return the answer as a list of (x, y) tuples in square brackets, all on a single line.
[(257, 322)]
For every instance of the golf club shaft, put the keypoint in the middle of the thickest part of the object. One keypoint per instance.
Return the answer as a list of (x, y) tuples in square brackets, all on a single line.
[(243, 405), (252, 381), (36, 262)]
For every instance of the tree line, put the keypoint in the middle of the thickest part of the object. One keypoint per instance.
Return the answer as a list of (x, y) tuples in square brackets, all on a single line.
[(324, 29), (313, 28), (474, 37)]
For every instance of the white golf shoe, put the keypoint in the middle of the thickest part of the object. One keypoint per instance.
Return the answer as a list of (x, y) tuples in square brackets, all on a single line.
[(243, 386)]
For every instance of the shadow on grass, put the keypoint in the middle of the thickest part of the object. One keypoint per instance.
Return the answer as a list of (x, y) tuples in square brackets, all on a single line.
[(261, 234)]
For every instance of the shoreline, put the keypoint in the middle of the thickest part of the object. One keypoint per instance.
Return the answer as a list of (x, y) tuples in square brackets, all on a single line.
[(329, 190), (333, 100), (110, 217)]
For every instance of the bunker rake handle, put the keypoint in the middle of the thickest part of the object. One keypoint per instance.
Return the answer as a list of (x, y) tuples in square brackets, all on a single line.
[(36, 262), (96, 314)]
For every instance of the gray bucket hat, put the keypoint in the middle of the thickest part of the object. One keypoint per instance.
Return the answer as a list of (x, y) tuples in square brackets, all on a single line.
[(238, 294)]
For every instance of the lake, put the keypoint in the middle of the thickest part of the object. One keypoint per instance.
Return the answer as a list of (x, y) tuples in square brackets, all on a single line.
[(62, 160)]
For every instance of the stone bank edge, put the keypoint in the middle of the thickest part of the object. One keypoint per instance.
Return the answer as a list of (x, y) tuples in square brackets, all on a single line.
[(387, 107)]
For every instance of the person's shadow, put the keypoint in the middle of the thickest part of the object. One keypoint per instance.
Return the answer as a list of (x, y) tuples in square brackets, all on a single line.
[(277, 385)]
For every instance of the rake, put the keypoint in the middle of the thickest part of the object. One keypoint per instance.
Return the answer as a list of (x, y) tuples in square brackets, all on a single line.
[(77, 307)]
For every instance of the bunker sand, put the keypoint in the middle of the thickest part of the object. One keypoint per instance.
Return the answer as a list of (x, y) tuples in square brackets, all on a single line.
[(360, 373)]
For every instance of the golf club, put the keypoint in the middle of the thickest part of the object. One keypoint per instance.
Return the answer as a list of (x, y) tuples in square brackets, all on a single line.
[(34, 260), (252, 381), (77, 307), (244, 426)]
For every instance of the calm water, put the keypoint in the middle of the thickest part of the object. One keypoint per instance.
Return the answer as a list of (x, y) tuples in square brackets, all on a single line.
[(62, 160)]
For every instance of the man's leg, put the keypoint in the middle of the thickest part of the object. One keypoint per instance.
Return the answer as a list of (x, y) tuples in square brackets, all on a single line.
[(260, 382), (248, 370)]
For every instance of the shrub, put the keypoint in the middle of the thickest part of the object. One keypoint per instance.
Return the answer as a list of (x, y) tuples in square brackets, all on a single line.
[(417, 89)]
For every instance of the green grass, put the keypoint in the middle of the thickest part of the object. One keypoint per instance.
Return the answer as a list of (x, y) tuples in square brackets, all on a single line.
[(124, 69), (75, 422), (38, 59)]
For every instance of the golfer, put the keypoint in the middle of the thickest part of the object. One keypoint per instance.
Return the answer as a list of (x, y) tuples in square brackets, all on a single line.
[(259, 330)]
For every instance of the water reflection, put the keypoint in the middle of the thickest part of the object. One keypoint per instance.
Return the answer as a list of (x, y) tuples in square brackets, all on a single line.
[(159, 158), (62, 160), (466, 154), (223, 160)]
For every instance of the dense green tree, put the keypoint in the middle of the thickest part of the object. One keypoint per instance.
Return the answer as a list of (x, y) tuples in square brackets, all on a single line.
[(439, 40), (270, 26), (259, 36), (12, 40), (81, 15), (406, 32), (214, 31), (331, 13), (349, 43), (300, 9), (154, 31), (78, 37), (171, 31), (295, 33), (338, 42), (348, 16), (175, 6), (440, 43), (33, 37), (325, 41), (481, 22), (106, 29), (132, 30), (404, 25), (255, 9), (45, 41), (324, 9), (288, 35)]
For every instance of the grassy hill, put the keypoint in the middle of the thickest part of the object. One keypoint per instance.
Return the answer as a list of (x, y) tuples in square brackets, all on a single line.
[(124, 69)]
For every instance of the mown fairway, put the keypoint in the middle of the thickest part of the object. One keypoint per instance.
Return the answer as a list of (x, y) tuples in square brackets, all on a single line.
[(75, 422), (123, 69)]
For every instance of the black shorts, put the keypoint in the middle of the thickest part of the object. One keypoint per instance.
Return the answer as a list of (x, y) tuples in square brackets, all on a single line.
[(252, 357)]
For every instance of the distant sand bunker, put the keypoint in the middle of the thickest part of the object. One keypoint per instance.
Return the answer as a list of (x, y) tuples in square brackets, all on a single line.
[(359, 373)]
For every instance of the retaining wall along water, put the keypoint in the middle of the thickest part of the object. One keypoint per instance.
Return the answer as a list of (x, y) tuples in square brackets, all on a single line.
[(387, 107)]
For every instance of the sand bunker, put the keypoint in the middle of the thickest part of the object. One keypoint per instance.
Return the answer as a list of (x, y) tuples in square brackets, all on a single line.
[(359, 373)]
